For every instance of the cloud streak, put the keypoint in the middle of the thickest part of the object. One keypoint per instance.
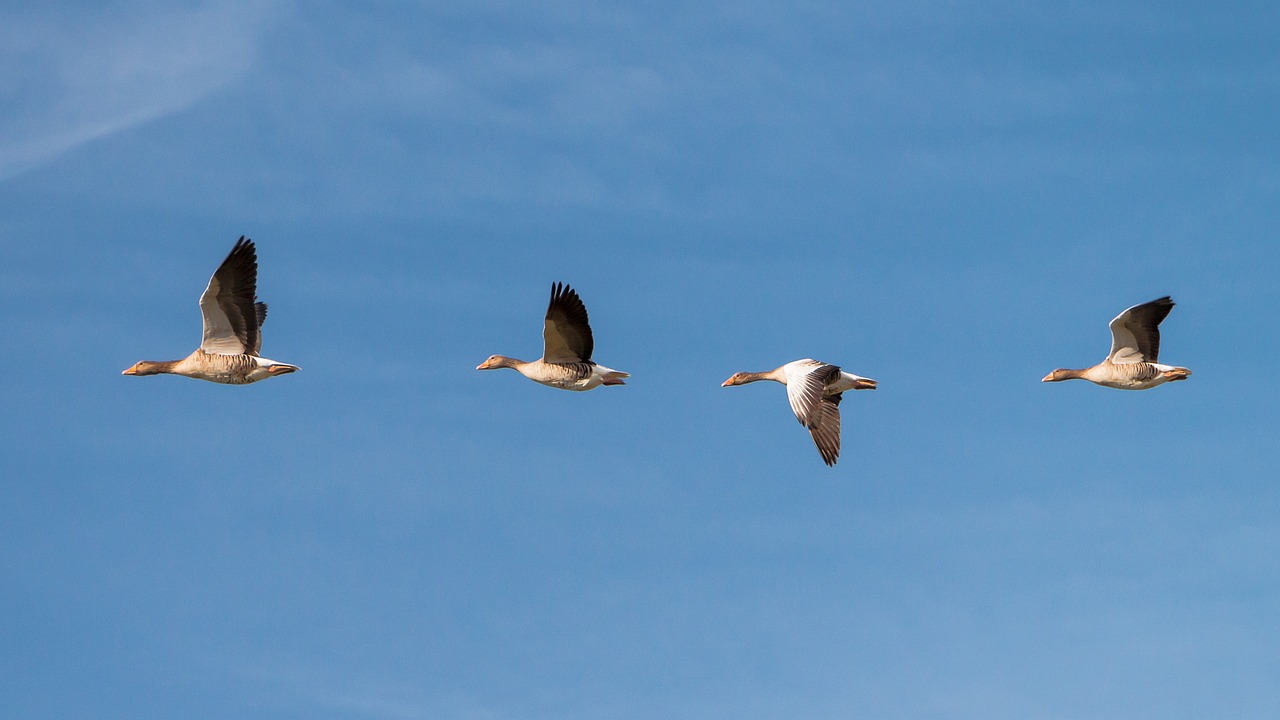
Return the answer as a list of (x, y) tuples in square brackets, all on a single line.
[(69, 80)]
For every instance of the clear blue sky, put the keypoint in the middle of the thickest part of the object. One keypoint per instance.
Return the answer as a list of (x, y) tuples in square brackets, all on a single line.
[(952, 198)]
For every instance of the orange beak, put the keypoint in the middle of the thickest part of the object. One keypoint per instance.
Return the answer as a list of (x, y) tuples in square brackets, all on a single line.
[(130, 371)]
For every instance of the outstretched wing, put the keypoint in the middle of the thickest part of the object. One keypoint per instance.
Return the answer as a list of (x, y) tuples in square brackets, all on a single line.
[(232, 315), (1135, 333), (566, 335)]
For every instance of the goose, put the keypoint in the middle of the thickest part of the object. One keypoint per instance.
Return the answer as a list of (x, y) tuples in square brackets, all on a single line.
[(566, 349), (1135, 347), (233, 319), (814, 391)]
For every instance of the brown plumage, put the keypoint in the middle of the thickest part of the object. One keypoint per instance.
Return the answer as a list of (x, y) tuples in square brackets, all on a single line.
[(567, 346), (814, 390), (232, 336), (1132, 363), (566, 331)]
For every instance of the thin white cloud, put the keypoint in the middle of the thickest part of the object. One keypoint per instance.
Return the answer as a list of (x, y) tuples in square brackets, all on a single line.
[(69, 79), (357, 694)]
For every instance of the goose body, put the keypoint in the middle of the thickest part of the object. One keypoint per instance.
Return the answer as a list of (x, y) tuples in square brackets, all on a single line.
[(233, 317), (814, 390), (1135, 348), (567, 345)]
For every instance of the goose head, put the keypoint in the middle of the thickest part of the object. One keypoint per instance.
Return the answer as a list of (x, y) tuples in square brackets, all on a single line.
[(741, 378), (148, 367), (1061, 374), (496, 361)]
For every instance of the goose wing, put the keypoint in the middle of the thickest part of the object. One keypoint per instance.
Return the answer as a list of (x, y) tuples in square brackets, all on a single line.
[(232, 315), (807, 382), (1135, 333), (826, 428), (566, 335)]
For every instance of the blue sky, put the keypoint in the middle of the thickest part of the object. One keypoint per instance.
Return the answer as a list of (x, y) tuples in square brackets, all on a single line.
[(952, 198)]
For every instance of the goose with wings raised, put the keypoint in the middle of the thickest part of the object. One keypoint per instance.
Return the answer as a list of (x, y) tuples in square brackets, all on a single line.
[(566, 349), (233, 320), (1135, 349), (814, 390)]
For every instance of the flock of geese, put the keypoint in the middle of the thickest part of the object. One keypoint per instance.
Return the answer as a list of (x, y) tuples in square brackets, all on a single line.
[(233, 317)]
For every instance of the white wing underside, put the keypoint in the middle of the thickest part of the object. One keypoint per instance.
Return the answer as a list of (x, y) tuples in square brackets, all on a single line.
[(219, 337), (806, 384), (1124, 344), (806, 390)]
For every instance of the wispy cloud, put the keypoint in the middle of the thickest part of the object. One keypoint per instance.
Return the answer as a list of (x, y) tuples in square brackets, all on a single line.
[(66, 79), (356, 694)]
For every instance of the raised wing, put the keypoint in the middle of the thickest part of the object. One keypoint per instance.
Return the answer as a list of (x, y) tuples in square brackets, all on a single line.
[(826, 428), (232, 315), (807, 382), (1135, 333), (566, 335)]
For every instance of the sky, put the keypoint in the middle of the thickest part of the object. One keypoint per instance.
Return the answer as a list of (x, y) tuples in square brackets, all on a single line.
[(951, 198)]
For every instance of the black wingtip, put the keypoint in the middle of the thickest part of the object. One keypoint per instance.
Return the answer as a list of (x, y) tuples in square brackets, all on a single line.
[(244, 247), (829, 458), (1158, 309), (561, 291)]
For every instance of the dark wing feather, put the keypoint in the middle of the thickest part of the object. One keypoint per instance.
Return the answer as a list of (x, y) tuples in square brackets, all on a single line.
[(566, 334), (261, 309), (826, 428)]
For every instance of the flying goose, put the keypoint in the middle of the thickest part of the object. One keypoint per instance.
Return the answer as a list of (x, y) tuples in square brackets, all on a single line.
[(1135, 347), (566, 349), (232, 328), (814, 390)]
